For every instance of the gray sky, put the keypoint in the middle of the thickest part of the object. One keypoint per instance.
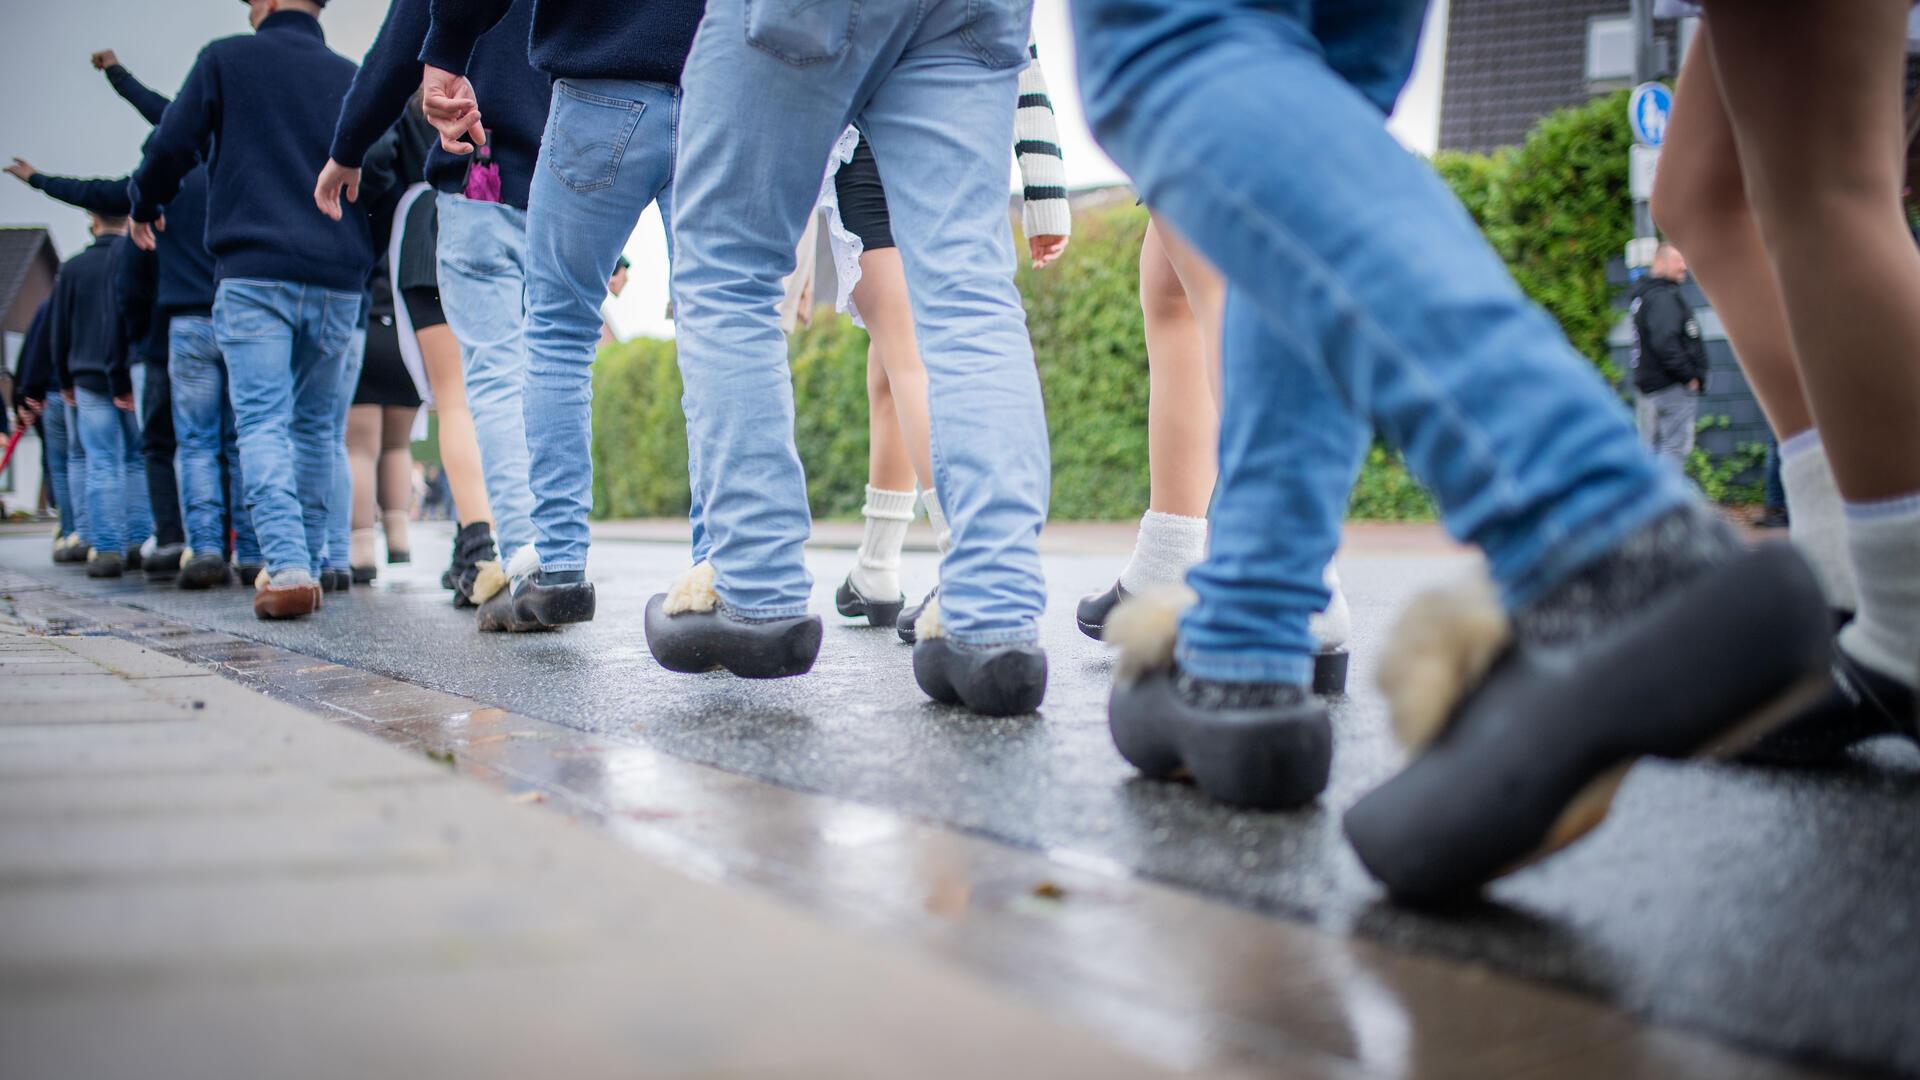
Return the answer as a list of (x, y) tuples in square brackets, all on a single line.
[(60, 114)]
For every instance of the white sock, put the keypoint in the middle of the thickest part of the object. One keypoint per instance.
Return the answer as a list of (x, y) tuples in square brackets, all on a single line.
[(887, 514), (1331, 627), (1884, 538), (362, 547), (1165, 548), (942, 535), (1816, 522)]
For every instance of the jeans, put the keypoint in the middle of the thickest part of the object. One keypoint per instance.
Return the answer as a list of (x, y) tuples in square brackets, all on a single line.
[(934, 87), (57, 435), (340, 513), (206, 440), (1666, 419), (285, 345), (116, 476), (1363, 300), (157, 448), (483, 289), (607, 153)]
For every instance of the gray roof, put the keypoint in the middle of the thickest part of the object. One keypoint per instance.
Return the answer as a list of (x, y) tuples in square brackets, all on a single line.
[(20, 247)]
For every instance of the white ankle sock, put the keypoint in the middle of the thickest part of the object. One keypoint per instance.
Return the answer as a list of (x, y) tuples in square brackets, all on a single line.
[(1164, 549), (942, 535), (1816, 521), (1330, 628), (1884, 539), (887, 514), (362, 547)]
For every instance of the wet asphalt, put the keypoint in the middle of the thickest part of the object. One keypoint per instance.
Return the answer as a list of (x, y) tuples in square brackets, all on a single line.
[(1776, 909)]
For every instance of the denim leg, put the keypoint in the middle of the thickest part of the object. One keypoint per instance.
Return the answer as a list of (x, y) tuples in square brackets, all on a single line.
[(77, 474), (53, 439), (323, 349), (1352, 247), (246, 542), (139, 507), (483, 287), (340, 512), (255, 325), (199, 397), (1277, 508), (946, 193), (106, 484), (607, 153)]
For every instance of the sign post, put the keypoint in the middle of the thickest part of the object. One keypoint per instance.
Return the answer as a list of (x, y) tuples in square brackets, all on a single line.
[(1648, 110)]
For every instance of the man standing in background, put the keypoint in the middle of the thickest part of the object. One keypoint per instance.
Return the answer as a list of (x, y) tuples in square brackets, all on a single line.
[(1669, 361)]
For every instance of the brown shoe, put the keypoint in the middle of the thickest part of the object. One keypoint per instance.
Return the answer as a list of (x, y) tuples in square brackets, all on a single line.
[(284, 601)]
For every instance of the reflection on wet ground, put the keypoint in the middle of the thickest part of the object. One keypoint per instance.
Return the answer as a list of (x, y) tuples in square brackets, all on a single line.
[(1039, 867)]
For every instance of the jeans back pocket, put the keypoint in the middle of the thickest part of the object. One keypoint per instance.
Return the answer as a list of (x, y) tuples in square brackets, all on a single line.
[(998, 30), (802, 31), (587, 136), (249, 310)]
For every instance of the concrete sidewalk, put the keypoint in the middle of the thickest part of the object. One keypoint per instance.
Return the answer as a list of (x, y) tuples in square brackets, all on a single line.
[(198, 881)]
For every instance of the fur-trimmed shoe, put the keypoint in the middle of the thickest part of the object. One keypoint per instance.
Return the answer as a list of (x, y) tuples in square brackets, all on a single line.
[(106, 564), (472, 546), (248, 572), (910, 617), (1518, 747), (689, 630), (493, 589), (992, 680), (164, 560), (205, 570), (1264, 745), (540, 599), (1330, 629), (271, 601), (848, 601)]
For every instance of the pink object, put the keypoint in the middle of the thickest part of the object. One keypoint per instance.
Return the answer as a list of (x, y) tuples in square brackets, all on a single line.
[(483, 177)]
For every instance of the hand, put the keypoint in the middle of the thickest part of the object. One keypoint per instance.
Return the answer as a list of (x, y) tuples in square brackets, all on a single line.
[(450, 106), (67, 396), (334, 177), (104, 59), (142, 232), (29, 411), (1696, 385), (123, 402), (1045, 249), (24, 171)]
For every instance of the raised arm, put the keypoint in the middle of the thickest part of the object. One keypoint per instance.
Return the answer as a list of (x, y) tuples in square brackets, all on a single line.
[(98, 194), (1043, 175), (150, 103)]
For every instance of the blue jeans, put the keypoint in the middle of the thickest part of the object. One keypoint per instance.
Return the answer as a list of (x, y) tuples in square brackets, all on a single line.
[(340, 513), (934, 87), (204, 431), (57, 435), (1364, 300), (483, 289), (116, 474), (607, 153), (285, 345)]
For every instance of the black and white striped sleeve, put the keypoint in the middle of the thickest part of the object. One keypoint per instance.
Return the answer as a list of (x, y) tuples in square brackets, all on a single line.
[(1043, 175)]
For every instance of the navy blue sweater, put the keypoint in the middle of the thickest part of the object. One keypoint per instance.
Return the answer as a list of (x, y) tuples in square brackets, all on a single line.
[(646, 40), (35, 377), (269, 101), (513, 97), (84, 328), (100, 195)]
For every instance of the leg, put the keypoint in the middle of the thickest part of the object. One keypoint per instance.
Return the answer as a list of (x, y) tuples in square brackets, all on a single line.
[(887, 310), (363, 455), (1183, 420), (54, 436), (77, 474), (158, 446), (138, 513), (246, 541), (199, 399), (106, 484), (339, 535), (483, 288), (255, 325), (459, 448), (395, 482)]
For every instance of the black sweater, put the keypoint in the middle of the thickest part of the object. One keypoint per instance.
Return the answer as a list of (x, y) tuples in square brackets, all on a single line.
[(34, 377), (1667, 350), (269, 101), (645, 40), (513, 97), (84, 327)]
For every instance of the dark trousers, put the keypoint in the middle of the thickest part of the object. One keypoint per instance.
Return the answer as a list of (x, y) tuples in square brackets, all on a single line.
[(157, 446)]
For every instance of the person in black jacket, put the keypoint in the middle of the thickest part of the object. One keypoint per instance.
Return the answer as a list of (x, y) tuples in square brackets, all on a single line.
[(37, 404), (1669, 360)]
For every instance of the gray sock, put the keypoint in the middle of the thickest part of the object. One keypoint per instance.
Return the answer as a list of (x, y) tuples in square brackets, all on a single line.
[(1659, 556)]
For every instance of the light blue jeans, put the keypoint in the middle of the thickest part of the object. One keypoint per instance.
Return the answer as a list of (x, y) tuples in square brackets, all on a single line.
[(116, 474), (340, 513), (607, 153), (206, 441), (483, 289), (1363, 300), (933, 85), (285, 345), (57, 435)]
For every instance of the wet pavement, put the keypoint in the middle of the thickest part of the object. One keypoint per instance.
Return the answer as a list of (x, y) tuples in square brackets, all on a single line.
[(1773, 910)]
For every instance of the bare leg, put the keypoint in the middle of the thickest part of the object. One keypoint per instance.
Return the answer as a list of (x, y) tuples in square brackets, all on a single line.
[(898, 445), (1183, 418), (396, 476), (882, 299), (1700, 202), (363, 451), (889, 467), (459, 451)]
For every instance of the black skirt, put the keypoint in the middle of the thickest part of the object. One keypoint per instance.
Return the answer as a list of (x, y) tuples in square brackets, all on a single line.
[(863, 202), (383, 372)]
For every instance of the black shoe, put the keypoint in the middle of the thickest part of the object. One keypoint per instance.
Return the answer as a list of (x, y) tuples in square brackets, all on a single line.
[(1264, 745), (1861, 704), (334, 579), (364, 575), (1329, 664), (204, 571), (992, 680), (395, 558), (106, 564), (497, 615), (1775, 517), (537, 599), (248, 571), (848, 601), (133, 560), (1528, 760), (165, 560), (904, 627), (472, 546), (697, 641)]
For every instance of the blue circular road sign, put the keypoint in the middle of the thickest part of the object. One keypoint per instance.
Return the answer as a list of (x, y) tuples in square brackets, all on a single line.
[(1648, 110)]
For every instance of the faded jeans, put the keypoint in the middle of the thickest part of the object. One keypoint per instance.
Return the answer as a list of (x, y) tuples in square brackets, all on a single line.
[(204, 430), (116, 473)]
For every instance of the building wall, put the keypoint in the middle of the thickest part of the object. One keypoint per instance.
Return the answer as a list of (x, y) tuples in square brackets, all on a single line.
[(1510, 62)]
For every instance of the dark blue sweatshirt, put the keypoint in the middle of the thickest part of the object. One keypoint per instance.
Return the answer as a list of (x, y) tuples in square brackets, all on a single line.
[(35, 377), (513, 97), (150, 103), (269, 101), (103, 196), (645, 40), (184, 284), (84, 327)]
